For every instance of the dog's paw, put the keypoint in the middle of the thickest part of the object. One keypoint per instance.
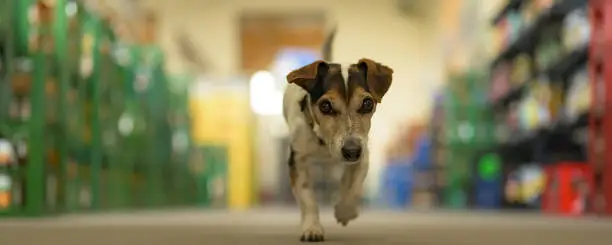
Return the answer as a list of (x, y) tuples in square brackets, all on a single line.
[(313, 233), (345, 212)]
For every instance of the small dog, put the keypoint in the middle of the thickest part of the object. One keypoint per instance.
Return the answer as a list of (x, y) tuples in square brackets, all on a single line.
[(328, 108)]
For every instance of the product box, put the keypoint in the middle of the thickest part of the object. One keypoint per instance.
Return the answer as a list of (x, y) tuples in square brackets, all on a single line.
[(569, 187)]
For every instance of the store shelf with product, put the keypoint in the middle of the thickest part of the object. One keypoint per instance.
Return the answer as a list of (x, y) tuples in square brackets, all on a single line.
[(547, 80), (524, 24), (510, 5), (529, 136), (539, 92)]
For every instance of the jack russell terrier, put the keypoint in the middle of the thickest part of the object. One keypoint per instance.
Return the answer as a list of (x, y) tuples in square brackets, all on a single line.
[(328, 108)]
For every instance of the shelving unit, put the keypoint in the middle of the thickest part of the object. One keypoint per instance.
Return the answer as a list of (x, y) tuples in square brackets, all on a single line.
[(546, 69), (86, 116)]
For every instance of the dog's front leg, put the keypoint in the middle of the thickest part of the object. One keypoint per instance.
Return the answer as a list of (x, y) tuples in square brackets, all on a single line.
[(312, 231), (351, 187)]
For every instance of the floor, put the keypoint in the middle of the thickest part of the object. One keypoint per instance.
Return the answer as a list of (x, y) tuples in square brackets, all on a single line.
[(279, 226)]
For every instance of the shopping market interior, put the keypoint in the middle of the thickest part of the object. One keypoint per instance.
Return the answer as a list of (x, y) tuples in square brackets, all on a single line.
[(132, 107)]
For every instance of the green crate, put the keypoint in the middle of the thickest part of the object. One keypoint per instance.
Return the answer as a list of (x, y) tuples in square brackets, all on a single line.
[(211, 175), (469, 134), (468, 87), (81, 155), (455, 197)]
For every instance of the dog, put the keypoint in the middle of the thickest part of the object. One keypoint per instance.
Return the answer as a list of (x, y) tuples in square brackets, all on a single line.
[(328, 108)]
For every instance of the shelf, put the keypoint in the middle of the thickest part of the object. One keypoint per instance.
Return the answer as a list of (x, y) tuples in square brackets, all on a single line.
[(511, 5), (569, 63), (514, 94), (528, 38), (564, 68), (556, 137)]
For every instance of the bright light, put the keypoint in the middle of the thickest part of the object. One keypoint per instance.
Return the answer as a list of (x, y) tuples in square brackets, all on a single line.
[(266, 98)]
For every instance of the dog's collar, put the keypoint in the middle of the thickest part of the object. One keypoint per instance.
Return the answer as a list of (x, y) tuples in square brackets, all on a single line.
[(304, 107)]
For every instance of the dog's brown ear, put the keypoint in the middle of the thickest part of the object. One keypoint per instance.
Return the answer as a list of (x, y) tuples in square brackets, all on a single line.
[(378, 77), (307, 76)]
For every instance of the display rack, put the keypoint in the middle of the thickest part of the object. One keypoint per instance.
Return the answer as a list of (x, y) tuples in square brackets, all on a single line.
[(69, 86), (558, 137)]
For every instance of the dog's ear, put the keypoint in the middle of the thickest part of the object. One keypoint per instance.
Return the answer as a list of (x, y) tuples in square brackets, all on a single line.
[(308, 76), (378, 77)]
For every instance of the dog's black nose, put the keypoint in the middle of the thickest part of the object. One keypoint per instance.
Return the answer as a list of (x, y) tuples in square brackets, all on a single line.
[(351, 150)]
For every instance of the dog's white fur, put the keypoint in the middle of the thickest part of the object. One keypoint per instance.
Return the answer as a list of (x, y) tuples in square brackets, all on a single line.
[(306, 147)]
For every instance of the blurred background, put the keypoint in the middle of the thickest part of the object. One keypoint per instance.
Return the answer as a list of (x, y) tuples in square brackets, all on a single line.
[(141, 104)]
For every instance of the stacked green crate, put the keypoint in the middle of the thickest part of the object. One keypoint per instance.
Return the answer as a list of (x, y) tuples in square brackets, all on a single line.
[(84, 141), (57, 83), (75, 169), (468, 128), (5, 29), (29, 67), (145, 125), (181, 182), (7, 154), (106, 129), (157, 98), (132, 123), (8, 169), (211, 174), (115, 179), (93, 92)]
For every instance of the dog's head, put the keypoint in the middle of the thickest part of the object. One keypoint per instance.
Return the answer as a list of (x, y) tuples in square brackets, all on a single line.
[(342, 102)]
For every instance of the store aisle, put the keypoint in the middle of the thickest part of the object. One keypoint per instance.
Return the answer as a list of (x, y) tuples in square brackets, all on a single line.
[(276, 226)]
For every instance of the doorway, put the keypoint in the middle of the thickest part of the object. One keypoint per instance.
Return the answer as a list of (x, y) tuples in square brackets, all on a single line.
[(263, 36)]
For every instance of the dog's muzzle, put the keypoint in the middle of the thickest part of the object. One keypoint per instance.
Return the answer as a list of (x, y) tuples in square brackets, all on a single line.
[(352, 150)]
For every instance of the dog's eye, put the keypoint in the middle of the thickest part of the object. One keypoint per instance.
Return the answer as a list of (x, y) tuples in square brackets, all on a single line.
[(367, 105), (326, 108)]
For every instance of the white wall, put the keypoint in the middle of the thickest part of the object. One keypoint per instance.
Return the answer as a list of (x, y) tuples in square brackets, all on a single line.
[(367, 28)]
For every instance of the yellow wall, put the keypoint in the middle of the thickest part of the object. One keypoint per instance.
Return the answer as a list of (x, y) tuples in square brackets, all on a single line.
[(222, 117)]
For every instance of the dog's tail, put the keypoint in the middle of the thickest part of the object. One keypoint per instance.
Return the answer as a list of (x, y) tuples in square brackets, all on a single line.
[(328, 44)]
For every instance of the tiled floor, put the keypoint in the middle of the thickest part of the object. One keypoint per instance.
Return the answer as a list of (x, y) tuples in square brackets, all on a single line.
[(279, 226)]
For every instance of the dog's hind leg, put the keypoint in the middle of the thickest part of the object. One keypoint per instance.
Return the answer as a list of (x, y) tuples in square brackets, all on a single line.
[(351, 188), (312, 230)]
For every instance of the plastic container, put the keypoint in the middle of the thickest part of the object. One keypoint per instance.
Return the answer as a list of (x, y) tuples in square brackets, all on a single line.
[(568, 187), (579, 95), (397, 184), (532, 181), (422, 155), (488, 186)]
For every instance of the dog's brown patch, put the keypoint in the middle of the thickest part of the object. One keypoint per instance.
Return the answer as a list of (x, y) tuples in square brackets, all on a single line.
[(318, 78), (335, 94), (378, 78), (322, 79)]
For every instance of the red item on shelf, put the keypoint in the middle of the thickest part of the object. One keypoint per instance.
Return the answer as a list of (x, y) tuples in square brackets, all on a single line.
[(568, 189)]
